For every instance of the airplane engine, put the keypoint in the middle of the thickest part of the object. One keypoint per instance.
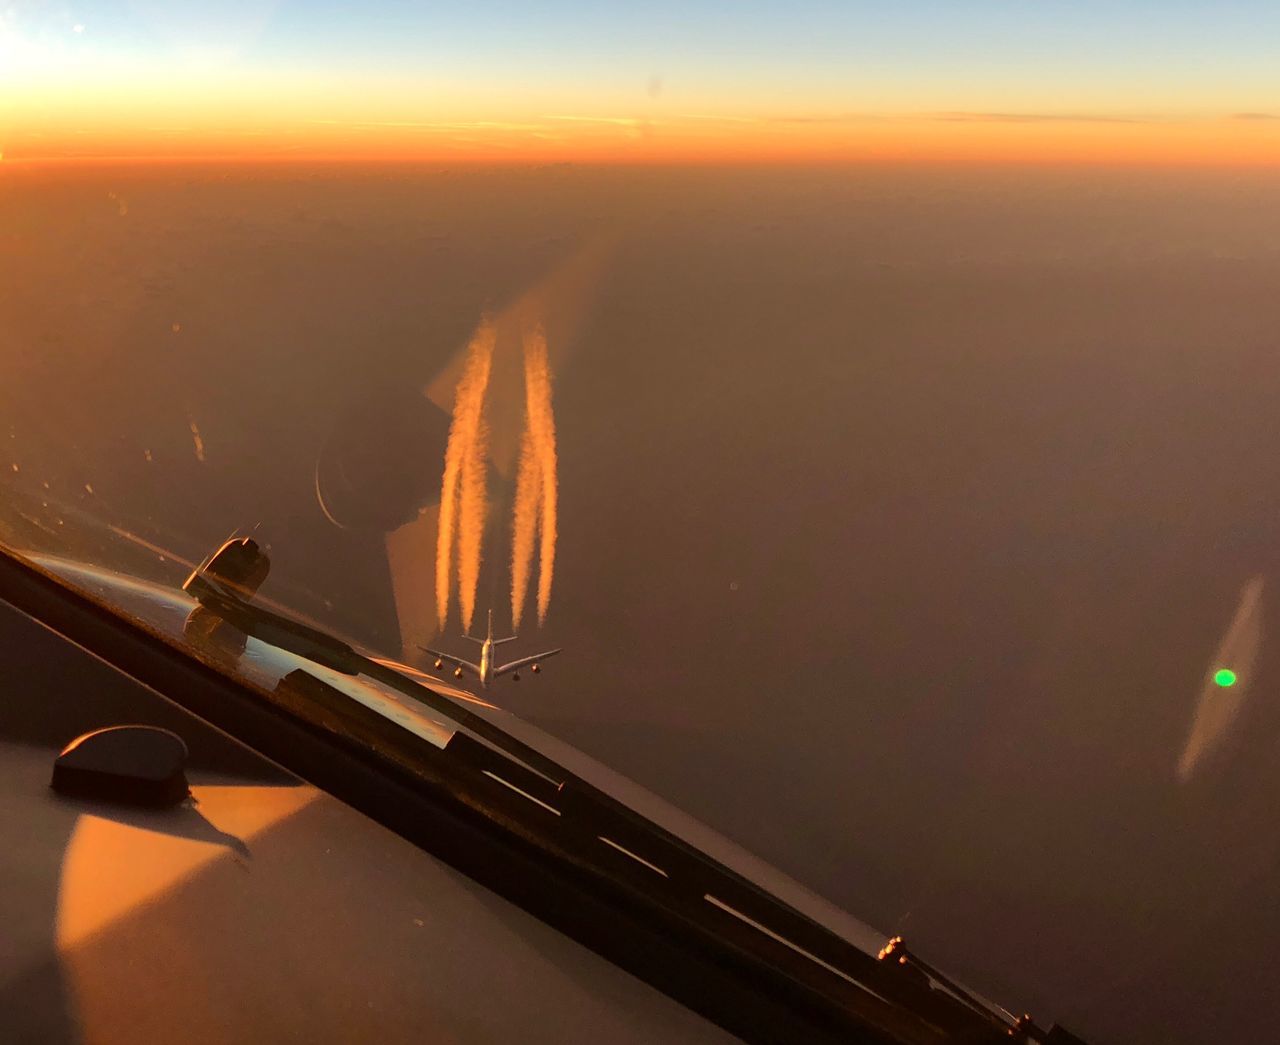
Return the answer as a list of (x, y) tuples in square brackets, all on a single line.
[(439, 664), (457, 673), (515, 676), (535, 669)]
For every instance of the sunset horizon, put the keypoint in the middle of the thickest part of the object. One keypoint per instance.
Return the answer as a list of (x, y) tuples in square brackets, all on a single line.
[(287, 82), (937, 137)]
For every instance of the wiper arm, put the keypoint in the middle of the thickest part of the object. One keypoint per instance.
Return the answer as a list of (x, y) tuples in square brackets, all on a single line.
[(226, 581)]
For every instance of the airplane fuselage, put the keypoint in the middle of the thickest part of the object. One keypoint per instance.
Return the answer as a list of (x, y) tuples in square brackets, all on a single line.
[(488, 668)]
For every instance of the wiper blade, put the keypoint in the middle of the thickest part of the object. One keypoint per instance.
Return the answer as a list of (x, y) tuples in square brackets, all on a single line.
[(605, 846)]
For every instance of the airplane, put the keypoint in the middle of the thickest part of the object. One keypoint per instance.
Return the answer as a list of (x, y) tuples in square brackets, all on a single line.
[(487, 670)]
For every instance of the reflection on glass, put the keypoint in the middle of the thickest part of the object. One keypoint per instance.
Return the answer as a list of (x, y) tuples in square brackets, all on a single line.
[(1226, 682)]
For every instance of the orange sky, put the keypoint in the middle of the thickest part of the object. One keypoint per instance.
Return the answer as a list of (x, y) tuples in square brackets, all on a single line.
[(848, 83), (937, 137)]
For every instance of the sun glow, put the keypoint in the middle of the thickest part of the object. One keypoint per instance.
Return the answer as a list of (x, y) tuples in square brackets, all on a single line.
[(255, 83)]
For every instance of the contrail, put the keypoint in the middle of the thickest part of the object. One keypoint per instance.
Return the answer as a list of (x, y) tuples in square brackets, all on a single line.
[(472, 510), (535, 483), (464, 434), (543, 423), (524, 526)]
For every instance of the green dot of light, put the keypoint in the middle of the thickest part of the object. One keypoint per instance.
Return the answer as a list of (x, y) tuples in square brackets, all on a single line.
[(1224, 677)]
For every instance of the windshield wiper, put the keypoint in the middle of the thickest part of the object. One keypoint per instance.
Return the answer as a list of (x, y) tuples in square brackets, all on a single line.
[(604, 846), (225, 583)]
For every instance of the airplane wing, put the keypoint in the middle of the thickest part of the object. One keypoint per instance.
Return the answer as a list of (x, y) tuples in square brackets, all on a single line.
[(449, 658), (515, 664)]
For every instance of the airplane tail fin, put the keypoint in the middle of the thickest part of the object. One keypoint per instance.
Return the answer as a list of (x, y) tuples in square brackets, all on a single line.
[(475, 638), (497, 642)]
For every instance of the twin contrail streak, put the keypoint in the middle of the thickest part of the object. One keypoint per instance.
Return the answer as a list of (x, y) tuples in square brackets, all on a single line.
[(535, 508), (542, 423), (472, 510), (524, 527), (464, 504), (462, 490)]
